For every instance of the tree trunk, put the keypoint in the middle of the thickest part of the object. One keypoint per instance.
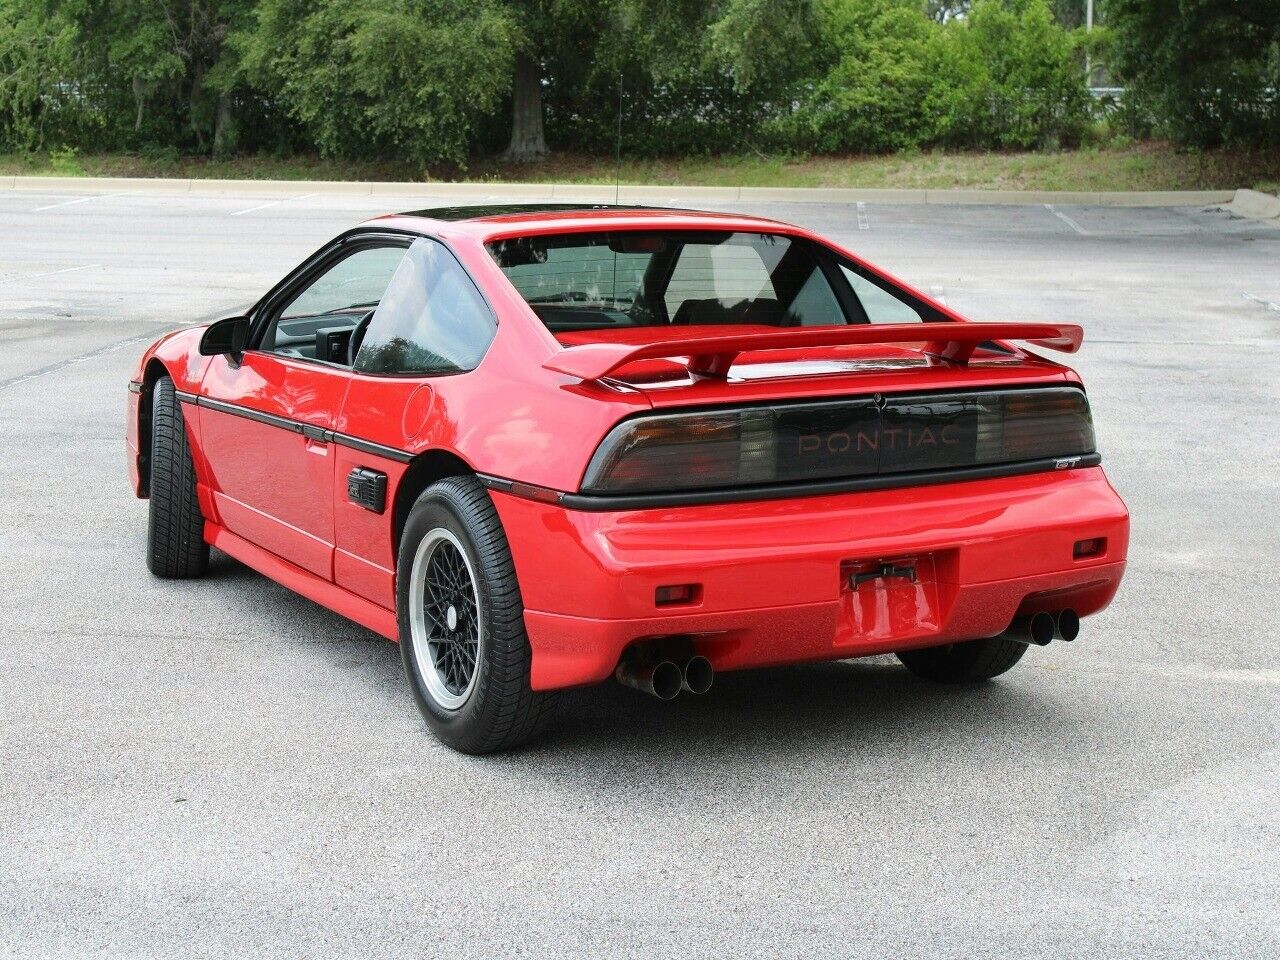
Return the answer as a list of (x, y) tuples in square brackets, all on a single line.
[(193, 102), (223, 129), (140, 98), (528, 141)]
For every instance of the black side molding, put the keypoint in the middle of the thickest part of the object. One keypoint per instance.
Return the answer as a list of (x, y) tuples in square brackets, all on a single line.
[(310, 431)]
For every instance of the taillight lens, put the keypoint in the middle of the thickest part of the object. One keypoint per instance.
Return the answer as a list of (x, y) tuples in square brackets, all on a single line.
[(849, 438), (1032, 424), (686, 451)]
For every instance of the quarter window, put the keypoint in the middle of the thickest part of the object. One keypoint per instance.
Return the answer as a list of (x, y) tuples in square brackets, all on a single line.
[(815, 305), (880, 305), (431, 319)]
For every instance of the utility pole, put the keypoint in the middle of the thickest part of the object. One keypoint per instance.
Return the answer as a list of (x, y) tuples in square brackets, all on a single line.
[(1088, 28)]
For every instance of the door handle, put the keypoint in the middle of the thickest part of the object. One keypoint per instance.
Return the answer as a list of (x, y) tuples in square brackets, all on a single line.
[(317, 439)]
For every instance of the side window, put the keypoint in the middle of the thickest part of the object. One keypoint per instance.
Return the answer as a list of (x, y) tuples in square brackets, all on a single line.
[(880, 305), (314, 325), (432, 318), (351, 283)]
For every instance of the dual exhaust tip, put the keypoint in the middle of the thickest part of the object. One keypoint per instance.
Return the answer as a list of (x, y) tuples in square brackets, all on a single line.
[(1040, 628), (665, 679)]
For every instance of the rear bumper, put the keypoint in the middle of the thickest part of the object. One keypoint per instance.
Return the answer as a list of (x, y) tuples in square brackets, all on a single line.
[(773, 577)]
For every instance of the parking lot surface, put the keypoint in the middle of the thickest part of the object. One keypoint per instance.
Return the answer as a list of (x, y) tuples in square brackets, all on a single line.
[(221, 768)]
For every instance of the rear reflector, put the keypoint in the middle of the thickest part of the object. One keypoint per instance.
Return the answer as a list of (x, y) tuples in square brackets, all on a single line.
[(839, 439), (682, 593), (1094, 547)]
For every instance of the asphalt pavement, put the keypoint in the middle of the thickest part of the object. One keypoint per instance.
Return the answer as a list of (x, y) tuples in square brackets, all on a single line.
[(220, 768)]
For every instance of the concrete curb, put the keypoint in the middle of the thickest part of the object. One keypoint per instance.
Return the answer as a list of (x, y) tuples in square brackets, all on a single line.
[(597, 193), (1254, 205)]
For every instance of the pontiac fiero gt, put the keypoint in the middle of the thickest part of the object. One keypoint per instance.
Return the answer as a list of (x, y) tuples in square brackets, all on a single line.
[(542, 447)]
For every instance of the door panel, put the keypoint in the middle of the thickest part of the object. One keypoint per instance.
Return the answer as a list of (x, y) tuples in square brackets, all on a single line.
[(376, 410), (264, 425)]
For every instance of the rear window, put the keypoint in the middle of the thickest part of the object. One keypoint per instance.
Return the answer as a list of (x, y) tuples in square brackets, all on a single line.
[(592, 281)]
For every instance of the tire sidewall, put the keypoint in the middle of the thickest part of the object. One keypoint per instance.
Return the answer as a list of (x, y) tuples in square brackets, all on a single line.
[(436, 509), (176, 548)]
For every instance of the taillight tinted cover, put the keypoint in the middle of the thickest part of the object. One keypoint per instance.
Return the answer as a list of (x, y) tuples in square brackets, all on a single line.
[(703, 450)]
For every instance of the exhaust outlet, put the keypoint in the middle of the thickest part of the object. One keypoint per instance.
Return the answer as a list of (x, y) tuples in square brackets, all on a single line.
[(662, 679), (1067, 625), (1037, 629), (698, 675)]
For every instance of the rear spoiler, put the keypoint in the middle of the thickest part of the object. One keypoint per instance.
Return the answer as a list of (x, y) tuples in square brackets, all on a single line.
[(713, 355)]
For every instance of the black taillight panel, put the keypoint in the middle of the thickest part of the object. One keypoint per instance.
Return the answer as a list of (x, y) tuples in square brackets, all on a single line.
[(862, 437)]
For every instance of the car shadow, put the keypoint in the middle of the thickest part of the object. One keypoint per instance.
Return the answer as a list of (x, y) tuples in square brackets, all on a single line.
[(869, 702), (866, 708)]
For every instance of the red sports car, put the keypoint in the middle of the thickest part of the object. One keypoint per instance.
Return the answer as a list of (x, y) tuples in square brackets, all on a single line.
[(544, 446)]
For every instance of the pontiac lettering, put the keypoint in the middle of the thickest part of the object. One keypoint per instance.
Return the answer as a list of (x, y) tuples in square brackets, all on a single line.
[(893, 438)]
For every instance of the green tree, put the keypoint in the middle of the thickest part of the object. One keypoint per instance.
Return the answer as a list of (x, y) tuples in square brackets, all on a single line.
[(1209, 70), (382, 78), (176, 51), (115, 73), (37, 52)]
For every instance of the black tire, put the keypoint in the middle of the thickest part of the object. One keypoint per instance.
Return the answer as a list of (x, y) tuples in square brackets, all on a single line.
[(970, 662), (499, 710), (175, 525)]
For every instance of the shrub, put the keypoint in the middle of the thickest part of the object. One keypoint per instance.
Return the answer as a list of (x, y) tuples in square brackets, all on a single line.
[(873, 98), (1005, 75)]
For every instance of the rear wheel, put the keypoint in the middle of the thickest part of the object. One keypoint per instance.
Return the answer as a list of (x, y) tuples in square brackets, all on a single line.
[(970, 662), (462, 635), (175, 525)]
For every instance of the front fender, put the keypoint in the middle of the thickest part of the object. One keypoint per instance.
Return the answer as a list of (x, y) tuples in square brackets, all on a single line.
[(177, 356)]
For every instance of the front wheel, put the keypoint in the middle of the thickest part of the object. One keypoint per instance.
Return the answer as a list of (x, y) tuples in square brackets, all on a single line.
[(462, 635), (175, 525), (969, 662)]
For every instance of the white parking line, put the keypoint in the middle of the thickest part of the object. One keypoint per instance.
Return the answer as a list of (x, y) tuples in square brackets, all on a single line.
[(67, 203), (863, 223), (51, 273), (939, 294), (1067, 220), (273, 203), (1269, 304)]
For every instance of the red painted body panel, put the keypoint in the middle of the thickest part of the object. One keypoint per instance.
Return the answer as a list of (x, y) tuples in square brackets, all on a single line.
[(270, 486), (773, 574), (984, 549), (177, 355), (349, 605)]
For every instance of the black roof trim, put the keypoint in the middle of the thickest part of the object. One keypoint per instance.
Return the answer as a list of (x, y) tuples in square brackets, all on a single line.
[(477, 211)]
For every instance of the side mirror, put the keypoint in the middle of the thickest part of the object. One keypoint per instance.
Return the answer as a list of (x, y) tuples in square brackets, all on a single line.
[(227, 336)]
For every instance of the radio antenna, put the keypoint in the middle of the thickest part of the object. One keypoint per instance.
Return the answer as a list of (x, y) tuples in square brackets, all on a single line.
[(617, 165)]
